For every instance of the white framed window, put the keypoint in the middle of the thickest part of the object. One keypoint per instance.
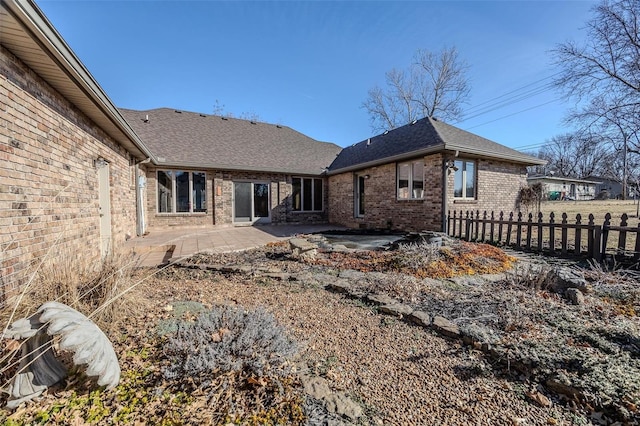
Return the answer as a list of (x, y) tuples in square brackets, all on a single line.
[(464, 185), (181, 192), (307, 194), (410, 180)]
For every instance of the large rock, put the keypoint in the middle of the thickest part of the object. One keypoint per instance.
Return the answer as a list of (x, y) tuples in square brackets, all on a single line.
[(396, 309), (302, 248), (445, 327), (574, 296), (381, 299), (421, 318), (565, 278), (340, 404)]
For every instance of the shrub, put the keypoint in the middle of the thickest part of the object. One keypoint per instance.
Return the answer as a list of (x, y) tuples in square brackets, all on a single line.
[(228, 339)]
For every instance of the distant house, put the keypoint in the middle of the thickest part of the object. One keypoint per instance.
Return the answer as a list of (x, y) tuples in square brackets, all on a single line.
[(213, 170), (410, 177), (607, 188), (67, 156), (564, 188)]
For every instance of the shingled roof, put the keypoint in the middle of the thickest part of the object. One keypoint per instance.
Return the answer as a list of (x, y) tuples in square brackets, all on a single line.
[(422, 137), (190, 139)]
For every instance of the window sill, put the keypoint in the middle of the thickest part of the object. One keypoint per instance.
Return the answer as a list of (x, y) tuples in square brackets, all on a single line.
[(465, 201), (306, 211), (409, 199), (187, 214)]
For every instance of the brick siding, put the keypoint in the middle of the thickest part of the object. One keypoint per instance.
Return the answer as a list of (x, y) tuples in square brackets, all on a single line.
[(497, 185), (48, 180)]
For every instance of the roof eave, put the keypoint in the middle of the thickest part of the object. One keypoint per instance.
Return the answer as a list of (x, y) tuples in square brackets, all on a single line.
[(523, 158), (31, 17), (392, 159), (238, 168)]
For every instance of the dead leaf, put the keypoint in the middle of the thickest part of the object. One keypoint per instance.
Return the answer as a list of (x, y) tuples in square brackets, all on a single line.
[(12, 345), (260, 381), (539, 399)]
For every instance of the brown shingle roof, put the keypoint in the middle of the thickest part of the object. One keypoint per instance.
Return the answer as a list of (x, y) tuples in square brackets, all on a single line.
[(423, 136), (189, 139)]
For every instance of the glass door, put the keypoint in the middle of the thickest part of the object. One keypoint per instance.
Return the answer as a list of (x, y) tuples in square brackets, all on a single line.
[(251, 202)]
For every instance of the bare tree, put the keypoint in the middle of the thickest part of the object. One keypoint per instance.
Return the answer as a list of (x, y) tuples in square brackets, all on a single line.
[(219, 109), (435, 85), (576, 155), (604, 77)]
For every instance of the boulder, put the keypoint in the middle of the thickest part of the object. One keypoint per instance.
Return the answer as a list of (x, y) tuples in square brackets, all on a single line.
[(301, 248), (421, 318), (574, 296), (445, 327)]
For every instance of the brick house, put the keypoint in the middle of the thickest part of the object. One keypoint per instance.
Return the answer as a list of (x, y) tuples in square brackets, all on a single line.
[(410, 177), (67, 156), (214, 170), (79, 176)]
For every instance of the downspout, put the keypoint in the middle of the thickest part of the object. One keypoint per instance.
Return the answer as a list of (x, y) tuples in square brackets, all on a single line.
[(445, 211), (140, 222)]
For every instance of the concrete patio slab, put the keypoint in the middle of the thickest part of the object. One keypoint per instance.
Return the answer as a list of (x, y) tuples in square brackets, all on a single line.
[(162, 246)]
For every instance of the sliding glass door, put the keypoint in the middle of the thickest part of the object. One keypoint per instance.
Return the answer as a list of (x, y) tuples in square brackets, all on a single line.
[(251, 202)]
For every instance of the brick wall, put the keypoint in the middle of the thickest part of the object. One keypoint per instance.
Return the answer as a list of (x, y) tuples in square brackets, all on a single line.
[(497, 185), (220, 193), (48, 181)]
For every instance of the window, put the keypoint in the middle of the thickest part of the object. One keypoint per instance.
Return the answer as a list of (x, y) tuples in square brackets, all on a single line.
[(307, 194), (411, 180), (464, 185), (182, 192)]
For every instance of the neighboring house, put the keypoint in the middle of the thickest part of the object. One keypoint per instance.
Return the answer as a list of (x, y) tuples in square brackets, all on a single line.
[(410, 177), (67, 156), (564, 188), (608, 188), (214, 170)]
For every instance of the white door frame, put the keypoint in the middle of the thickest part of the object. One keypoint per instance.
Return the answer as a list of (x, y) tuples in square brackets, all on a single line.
[(104, 209)]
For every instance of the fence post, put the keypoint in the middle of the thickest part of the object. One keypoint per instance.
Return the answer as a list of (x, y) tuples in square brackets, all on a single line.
[(491, 227), (552, 233), (467, 225), (519, 231), (605, 234), (592, 243), (597, 235), (529, 226), (563, 232), (477, 222), (500, 226), (622, 236), (509, 227), (578, 249), (540, 230)]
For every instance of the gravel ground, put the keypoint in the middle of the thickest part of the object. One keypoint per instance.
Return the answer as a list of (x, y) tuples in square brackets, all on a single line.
[(401, 374)]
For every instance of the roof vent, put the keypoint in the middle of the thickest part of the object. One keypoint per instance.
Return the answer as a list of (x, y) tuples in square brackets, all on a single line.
[(278, 126), (146, 118), (414, 122), (434, 118), (178, 111), (368, 141), (252, 122), (202, 115), (385, 132), (224, 118)]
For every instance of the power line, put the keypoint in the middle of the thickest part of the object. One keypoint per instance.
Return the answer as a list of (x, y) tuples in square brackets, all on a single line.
[(515, 113)]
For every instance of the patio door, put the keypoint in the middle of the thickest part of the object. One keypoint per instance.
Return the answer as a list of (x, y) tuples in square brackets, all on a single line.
[(251, 202)]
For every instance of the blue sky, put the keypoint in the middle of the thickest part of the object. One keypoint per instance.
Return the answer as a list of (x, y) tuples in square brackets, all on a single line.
[(309, 64)]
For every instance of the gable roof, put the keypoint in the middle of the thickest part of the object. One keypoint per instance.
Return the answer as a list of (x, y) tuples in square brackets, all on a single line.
[(422, 137), (189, 139), (27, 33)]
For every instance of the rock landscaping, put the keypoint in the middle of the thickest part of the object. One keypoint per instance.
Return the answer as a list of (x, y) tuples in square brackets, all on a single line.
[(553, 325), (430, 331)]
